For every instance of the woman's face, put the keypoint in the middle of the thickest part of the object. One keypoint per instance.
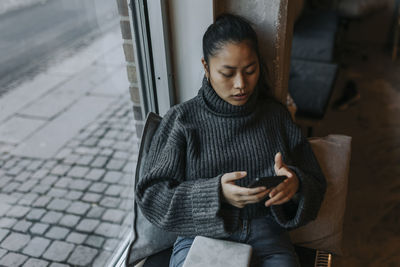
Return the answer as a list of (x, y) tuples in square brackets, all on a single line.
[(233, 72)]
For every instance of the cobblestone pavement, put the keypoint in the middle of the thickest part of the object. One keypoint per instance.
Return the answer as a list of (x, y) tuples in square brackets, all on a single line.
[(73, 209)]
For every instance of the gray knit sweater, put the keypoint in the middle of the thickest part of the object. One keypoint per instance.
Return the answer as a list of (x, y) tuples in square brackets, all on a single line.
[(203, 138)]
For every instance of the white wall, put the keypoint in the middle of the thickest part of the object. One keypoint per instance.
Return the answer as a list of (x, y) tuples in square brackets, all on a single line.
[(189, 20)]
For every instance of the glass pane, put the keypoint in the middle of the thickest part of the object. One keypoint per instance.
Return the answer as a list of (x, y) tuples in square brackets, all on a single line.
[(67, 135)]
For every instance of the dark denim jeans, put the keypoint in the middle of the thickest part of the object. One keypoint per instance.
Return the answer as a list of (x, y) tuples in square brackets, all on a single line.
[(271, 244)]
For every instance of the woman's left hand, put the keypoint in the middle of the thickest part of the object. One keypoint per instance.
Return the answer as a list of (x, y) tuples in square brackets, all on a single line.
[(283, 192)]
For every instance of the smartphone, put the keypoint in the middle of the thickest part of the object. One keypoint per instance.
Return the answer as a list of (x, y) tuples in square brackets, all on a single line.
[(268, 182)]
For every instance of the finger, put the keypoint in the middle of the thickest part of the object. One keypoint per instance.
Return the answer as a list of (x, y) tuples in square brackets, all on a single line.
[(254, 198), (280, 187), (285, 171), (232, 176), (244, 191), (278, 162), (279, 198)]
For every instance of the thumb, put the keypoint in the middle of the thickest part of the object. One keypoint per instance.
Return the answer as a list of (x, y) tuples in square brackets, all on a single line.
[(278, 161), (232, 176)]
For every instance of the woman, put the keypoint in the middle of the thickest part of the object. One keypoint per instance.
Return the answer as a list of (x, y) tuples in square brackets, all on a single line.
[(207, 150)]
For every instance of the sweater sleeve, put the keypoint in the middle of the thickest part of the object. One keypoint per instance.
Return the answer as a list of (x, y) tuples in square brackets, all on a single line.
[(167, 198), (300, 158)]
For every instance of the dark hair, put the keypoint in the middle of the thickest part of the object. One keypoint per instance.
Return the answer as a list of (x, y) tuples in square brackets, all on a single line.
[(229, 28)]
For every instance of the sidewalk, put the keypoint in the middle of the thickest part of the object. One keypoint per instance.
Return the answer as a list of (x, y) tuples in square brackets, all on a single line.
[(67, 155)]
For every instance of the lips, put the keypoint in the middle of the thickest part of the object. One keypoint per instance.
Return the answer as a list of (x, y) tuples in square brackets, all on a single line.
[(240, 96)]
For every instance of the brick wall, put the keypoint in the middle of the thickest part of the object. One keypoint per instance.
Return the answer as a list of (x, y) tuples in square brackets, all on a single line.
[(123, 9)]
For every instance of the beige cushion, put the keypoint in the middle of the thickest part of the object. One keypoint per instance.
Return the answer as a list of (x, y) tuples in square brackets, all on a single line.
[(325, 233)]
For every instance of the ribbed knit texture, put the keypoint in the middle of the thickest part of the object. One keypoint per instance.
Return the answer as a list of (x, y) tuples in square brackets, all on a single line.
[(203, 138)]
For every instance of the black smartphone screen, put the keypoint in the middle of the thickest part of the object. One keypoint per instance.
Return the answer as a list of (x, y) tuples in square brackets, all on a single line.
[(268, 182)]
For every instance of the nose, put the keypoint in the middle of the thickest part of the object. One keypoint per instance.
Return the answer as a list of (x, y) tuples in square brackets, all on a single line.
[(239, 82)]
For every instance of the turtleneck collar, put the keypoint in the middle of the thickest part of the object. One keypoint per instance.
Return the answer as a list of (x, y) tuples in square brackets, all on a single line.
[(215, 104)]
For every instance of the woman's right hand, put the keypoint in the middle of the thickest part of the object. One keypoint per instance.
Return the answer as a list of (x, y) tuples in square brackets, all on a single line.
[(240, 196)]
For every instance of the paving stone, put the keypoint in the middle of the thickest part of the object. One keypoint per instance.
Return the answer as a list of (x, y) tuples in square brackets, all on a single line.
[(22, 226), (83, 150), (2, 252), (41, 188), (35, 164), (95, 241), (18, 211), (61, 169), (105, 143), (49, 180), (42, 201), (17, 195), (98, 187), (115, 216), (79, 184), (63, 182), (78, 172), (87, 225), (85, 160), (58, 204), (92, 197), (13, 259), (36, 247), (107, 229), (9, 164), (8, 199), (15, 241), (3, 234), (56, 232), (7, 222), (63, 153), (106, 152), (39, 228), (103, 257), (95, 212), (122, 145), (82, 255), (73, 195), (35, 214), (110, 202), (111, 244), (28, 199), (130, 167), (40, 174), (112, 177), (27, 186), (95, 174), (15, 170), (4, 207), (71, 159), (50, 164), (76, 238), (11, 187), (4, 180), (24, 162), (69, 220), (115, 164), (36, 263), (51, 217), (100, 162), (114, 190), (57, 192), (62, 265), (58, 251), (78, 208)]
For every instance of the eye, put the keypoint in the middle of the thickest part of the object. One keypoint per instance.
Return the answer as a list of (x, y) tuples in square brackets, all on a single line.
[(250, 72), (227, 75)]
